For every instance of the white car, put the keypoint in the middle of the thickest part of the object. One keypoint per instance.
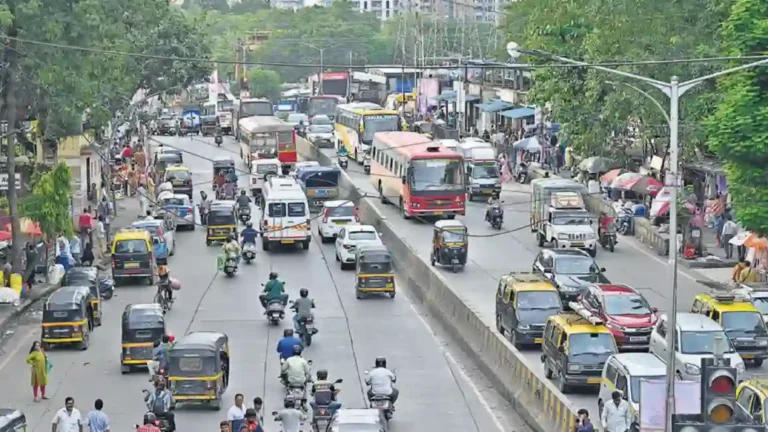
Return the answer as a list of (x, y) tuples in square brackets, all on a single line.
[(352, 236), (301, 164), (336, 215), (623, 372), (181, 206), (697, 337)]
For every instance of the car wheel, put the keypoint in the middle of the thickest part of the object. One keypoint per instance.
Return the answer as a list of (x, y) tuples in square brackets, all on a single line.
[(758, 362), (173, 248), (337, 256), (498, 325), (561, 385), (322, 238)]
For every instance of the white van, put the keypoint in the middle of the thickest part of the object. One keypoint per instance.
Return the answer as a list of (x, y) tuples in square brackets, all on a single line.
[(284, 213), (260, 169)]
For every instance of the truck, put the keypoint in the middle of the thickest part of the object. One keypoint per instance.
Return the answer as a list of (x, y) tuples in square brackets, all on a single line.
[(480, 168), (559, 216)]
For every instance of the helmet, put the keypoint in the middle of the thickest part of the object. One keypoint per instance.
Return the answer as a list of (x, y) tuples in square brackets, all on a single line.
[(288, 332), (297, 350), (303, 292), (171, 337), (162, 270), (322, 374), (242, 192), (249, 224), (381, 362), (230, 238), (272, 275), (150, 418)]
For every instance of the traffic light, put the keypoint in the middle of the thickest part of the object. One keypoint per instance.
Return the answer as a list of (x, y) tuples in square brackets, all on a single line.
[(718, 392)]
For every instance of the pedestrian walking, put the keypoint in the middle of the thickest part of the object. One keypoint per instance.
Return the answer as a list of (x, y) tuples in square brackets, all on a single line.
[(88, 259), (236, 413), (583, 423), (616, 415), (101, 235), (31, 256), (39, 370), (730, 229), (67, 419), (258, 405), (85, 224), (97, 420), (143, 198)]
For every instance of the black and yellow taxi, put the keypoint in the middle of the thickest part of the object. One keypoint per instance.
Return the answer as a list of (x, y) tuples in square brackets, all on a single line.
[(740, 319), (67, 318), (524, 303), (752, 396), (180, 178), (575, 348), (133, 255), (142, 325)]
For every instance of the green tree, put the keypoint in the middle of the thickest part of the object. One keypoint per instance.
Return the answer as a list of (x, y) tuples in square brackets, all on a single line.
[(264, 83), (49, 201), (738, 130)]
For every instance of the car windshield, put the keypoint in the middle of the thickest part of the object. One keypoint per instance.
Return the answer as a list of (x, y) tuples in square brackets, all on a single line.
[(435, 174), (321, 121), (575, 266), (340, 211), (321, 128), (131, 246), (761, 303), (362, 235), (623, 304), (226, 105), (591, 344), (570, 218), (266, 168), (177, 175), (748, 322), (485, 171), (703, 342), (154, 230), (635, 385), (454, 236), (379, 123), (534, 307)]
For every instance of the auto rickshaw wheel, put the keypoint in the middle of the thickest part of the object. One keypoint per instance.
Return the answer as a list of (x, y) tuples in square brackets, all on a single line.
[(85, 343), (45, 346), (455, 267), (432, 258), (451, 216), (392, 294), (305, 244), (207, 242), (125, 369), (358, 294), (264, 245), (216, 405)]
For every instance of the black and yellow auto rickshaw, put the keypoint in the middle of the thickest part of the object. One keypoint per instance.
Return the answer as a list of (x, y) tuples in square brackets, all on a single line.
[(450, 244), (87, 276), (12, 420), (198, 368), (67, 317), (222, 164), (222, 221), (373, 271), (142, 325)]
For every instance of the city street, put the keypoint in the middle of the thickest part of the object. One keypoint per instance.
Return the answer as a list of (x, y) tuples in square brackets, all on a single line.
[(436, 393), (494, 253)]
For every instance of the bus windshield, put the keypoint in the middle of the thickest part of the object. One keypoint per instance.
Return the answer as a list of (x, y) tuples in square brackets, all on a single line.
[(379, 123), (256, 108), (435, 174), (322, 106), (226, 105)]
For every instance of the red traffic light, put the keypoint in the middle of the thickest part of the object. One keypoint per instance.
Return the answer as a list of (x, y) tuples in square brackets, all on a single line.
[(722, 384)]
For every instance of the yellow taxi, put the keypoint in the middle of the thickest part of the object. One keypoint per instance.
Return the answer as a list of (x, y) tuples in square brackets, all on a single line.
[(133, 255), (752, 395), (524, 302), (741, 321), (180, 178), (575, 348)]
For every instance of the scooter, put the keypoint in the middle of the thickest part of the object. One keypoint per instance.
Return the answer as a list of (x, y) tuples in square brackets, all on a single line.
[(307, 329), (106, 287), (383, 403), (249, 252), (367, 164), (296, 393), (230, 266), (625, 221), (495, 216), (343, 161), (244, 214)]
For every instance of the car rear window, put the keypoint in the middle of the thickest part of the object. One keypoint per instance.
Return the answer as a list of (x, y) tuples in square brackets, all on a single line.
[(174, 202), (264, 169), (177, 175), (131, 246), (342, 211), (362, 235)]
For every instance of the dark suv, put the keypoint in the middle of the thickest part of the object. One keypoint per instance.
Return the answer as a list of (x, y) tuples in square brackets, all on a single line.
[(570, 270)]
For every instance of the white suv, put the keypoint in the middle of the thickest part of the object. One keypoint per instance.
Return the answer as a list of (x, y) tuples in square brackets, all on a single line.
[(352, 236), (336, 215), (696, 339)]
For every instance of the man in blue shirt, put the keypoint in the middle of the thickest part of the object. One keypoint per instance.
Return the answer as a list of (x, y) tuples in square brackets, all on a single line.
[(249, 234), (286, 344)]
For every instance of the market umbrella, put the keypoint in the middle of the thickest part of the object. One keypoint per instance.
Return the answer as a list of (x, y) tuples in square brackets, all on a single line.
[(528, 144), (5, 236), (611, 175), (28, 227), (597, 164), (620, 181), (645, 185)]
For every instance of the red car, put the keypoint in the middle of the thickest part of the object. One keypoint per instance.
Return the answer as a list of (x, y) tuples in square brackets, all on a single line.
[(625, 312)]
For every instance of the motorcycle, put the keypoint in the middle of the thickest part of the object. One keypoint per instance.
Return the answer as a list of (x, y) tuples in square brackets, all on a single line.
[(230, 266), (321, 415), (307, 329), (249, 252), (367, 164), (608, 238), (383, 403), (296, 393), (275, 312), (343, 161), (495, 216), (106, 287), (161, 297), (244, 214), (625, 221), (218, 139)]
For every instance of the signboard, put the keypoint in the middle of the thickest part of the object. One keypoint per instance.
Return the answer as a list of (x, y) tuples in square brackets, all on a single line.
[(653, 402), (335, 76), (4, 181)]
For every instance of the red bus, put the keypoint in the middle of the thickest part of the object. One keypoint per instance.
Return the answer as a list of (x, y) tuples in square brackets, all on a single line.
[(323, 105), (263, 137), (421, 176)]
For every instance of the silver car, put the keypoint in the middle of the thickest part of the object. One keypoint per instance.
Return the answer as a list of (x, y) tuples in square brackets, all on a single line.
[(697, 337)]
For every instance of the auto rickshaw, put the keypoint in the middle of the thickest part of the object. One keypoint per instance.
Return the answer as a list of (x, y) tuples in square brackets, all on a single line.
[(67, 318), (373, 271), (87, 276), (222, 163), (142, 325), (450, 244), (198, 368), (12, 420), (222, 221)]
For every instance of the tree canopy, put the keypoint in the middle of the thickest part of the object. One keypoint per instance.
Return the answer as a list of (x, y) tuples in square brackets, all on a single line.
[(264, 83), (48, 202)]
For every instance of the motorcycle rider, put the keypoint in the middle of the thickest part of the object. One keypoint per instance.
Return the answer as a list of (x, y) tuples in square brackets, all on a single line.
[(160, 402), (205, 207), (324, 393), (303, 307), (159, 356), (290, 417), (231, 248), (295, 371), (603, 224), (243, 200), (493, 201), (380, 380), (164, 281), (286, 344), (273, 290), (249, 234), (149, 423)]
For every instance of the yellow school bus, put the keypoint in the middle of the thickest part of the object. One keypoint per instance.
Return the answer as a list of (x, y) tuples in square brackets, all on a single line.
[(357, 122)]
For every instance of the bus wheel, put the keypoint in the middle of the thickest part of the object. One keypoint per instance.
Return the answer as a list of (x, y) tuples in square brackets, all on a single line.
[(402, 209), (382, 198)]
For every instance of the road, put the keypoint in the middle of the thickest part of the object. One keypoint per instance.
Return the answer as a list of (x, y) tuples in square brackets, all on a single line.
[(352, 334), (492, 254)]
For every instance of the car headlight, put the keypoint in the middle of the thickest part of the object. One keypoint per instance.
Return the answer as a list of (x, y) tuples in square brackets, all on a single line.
[(562, 236), (692, 369), (574, 368), (568, 288), (740, 368), (616, 327), (523, 327), (591, 236), (762, 343), (497, 185)]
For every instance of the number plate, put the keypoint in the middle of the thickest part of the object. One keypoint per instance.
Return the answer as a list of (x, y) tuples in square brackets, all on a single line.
[(438, 213), (747, 356), (538, 340), (287, 241), (178, 182), (593, 380), (131, 265), (577, 244), (487, 192), (638, 339), (379, 403), (340, 222)]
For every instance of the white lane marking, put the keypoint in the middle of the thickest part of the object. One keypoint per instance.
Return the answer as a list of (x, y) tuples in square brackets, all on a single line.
[(16, 349), (463, 374)]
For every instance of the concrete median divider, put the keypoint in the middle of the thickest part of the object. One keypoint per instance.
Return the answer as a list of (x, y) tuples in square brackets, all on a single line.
[(533, 396)]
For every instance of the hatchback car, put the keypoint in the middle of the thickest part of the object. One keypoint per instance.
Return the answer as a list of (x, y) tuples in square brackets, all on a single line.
[(352, 236), (696, 339), (336, 215), (166, 244), (570, 270), (625, 312)]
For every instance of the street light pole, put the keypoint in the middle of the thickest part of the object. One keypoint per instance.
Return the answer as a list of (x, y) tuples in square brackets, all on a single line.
[(674, 90), (322, 58)]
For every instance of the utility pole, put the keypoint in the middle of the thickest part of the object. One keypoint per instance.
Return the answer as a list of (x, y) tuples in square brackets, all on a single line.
[(9, 100), (349, 77)]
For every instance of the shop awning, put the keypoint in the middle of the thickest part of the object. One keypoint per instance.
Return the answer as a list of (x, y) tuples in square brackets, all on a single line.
[(494, 106), (518, 113), (446, 96), (471, 98)]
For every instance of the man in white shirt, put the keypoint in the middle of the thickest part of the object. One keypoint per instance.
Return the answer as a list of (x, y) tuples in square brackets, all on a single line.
[(616, 415), (730, 229), (236, 413), (381, 379), (68, 418)]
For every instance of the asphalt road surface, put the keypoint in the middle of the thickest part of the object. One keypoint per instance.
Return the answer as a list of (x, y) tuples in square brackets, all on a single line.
[(436, 392), (494, 253)]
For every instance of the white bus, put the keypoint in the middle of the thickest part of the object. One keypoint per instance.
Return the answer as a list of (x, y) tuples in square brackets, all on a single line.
[(267, 138), (284, 213)]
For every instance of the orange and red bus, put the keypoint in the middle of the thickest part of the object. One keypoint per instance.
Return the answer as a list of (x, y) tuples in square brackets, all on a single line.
[(262, 137), (421, 176), (323, 105)]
